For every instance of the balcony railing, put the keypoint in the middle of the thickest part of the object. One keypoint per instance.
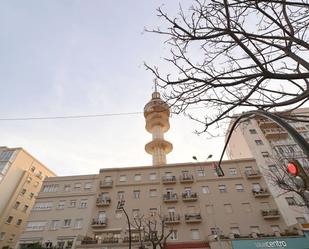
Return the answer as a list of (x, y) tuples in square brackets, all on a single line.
[(193, 217), (106, 184), (170, 197), (110, 240), (263, 192), (134, 238), (270, 214), (253, 174), (88, 241), (97, 223), (172, 218), (275, 133), (189, 196), (103, 201), (168, 179), (187, 178)]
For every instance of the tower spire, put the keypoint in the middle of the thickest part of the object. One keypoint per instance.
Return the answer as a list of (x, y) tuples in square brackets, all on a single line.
[(157, 113)]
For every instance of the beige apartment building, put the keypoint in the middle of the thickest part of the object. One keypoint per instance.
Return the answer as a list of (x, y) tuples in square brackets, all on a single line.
[(62, 211), (272, 147), (198, 206), (21, 177)]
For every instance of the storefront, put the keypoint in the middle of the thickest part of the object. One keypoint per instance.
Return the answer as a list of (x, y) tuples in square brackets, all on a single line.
[(276, 243)]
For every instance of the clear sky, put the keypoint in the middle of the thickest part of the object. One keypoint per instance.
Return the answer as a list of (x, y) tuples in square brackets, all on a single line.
[(81, 57)]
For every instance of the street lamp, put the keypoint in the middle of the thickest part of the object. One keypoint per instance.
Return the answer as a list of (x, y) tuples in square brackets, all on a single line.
[(120, 206)]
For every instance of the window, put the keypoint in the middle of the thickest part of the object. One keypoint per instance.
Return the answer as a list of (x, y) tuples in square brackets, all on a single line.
[(235, 230), (205, 190), (200, 172), (77, 186), (246, 207), (9, 219), (301, 220), (83, 203), (255, 229), (5, 155), (136, 194), (19, 221), (36, 225), (31, 195), (265, 154), (291, 201), (61, 205), (256, 187), (222, 188), (210, 209), (50, 188), (137, 177), (174, 235), (152, 192), (72, 203), (23, 191), (29, 179), (67, 223), (273, 168), (152, 176), (2, 235), (252, 131), (275, 228), (232, 171), (25, 208), (239, 188), (88, 185), (122, 178), (215, 230), (78, 223), (228, 208), (67, 188), (153, 211), (135, 213), (32, 169), (55, 224), (195, 234), (42, 206), (120, 195), (16, 205), (258, 142)]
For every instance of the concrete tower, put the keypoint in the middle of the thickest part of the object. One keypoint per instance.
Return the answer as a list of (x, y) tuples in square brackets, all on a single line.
[(156, 113)]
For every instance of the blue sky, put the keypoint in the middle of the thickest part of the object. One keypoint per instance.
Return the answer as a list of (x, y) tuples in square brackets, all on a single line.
[(77, 57)]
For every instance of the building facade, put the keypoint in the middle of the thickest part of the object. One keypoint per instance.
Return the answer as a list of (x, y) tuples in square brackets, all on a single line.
[(273, 148), (21, 177), (189, 204)]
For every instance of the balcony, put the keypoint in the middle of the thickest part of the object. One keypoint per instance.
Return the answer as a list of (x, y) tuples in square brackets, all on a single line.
[(106, 184), (189, 196), (103, 201), (270, 214), (99, 223), (260, 193), (172, 218), (89, 241), (170, 197), (188, 178), (275, 133), (134, 238), (253, 174), (110, 240), (193, 218), (266, 123), (169, 179)]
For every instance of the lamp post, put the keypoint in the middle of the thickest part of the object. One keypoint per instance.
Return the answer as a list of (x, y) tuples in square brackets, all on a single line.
[(120, 206)]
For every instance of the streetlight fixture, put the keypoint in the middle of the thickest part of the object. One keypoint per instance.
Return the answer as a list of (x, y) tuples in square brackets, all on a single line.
[(120, 206)]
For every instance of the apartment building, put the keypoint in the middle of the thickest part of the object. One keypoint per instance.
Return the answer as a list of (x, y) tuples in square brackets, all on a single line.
[(21, 177), (62, 211), (272, 148), (197, 207)]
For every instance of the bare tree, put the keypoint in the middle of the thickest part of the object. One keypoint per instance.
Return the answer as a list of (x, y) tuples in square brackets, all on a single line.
[(154, 230), (235, 55)]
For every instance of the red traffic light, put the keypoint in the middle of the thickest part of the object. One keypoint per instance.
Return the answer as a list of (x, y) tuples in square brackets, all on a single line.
[(292, 168)]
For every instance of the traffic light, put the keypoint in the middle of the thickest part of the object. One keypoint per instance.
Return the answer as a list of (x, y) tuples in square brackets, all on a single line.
[(295, 169)]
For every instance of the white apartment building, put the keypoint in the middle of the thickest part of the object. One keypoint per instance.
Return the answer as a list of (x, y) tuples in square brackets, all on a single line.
[(272, 148)]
